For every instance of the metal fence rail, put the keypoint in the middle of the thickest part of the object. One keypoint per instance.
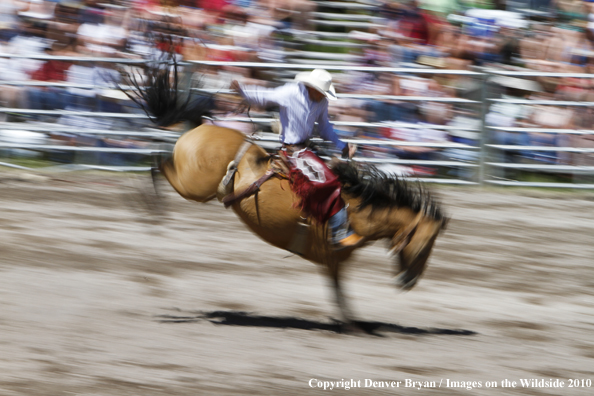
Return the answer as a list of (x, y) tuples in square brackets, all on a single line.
[(545, 130), (53, 147), (483, 152), (73, 113)]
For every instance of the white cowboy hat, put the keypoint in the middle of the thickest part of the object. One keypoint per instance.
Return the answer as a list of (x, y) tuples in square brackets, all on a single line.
[(320, 80)]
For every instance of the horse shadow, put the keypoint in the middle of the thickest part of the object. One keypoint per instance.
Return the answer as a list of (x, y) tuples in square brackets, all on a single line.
[(246, 319)]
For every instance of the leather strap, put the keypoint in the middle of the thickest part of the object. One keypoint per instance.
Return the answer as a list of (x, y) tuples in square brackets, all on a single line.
[(238, 156), (255, 186)]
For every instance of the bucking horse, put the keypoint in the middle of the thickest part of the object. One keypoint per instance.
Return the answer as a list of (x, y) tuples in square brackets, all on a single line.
[(210, 160)]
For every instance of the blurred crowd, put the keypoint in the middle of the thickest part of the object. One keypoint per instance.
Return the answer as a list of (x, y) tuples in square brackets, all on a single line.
[(409, 34)]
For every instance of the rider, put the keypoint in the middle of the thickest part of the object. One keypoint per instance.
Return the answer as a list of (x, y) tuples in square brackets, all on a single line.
[(301, 105)]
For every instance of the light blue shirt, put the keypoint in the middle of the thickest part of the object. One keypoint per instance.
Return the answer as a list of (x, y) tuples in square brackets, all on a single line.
[(298, 113)]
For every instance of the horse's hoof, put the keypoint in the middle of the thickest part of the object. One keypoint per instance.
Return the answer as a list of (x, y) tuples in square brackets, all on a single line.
[(352, 328)]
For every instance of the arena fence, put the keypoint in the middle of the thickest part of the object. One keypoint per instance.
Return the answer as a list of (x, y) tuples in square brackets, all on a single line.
[(474, 162)]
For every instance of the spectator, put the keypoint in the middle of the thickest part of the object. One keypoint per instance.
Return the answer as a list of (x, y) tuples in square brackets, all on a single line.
[(419, 133), (507, 115), (412, 22), (82, 99), (31, 41), (391, 109), (290, 14), (438, 113), (105, 38), (48, 98), (62, 29), (8, 19)]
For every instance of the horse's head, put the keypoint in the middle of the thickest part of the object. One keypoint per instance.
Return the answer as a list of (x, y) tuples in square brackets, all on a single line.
[(413, 247), (393, 208)]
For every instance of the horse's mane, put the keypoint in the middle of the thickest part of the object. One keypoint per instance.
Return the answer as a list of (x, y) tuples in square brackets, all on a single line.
[(164, 95), (380, 190)]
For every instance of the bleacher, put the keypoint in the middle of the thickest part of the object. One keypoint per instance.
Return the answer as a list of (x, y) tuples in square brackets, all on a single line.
[(332, 41)]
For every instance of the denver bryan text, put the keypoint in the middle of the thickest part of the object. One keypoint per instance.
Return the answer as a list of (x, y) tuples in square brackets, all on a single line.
[(368, 383)]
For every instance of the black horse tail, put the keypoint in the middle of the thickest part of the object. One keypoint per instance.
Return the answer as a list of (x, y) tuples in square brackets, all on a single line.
[(165, 97)]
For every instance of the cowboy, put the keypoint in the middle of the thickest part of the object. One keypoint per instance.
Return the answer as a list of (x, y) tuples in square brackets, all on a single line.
[(302, 104)]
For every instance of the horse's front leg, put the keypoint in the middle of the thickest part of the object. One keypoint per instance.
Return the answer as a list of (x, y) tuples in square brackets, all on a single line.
[(349, 326)]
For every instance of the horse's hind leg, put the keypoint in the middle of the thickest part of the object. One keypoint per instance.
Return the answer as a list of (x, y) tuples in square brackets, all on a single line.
[(151, 195), (157, 199)]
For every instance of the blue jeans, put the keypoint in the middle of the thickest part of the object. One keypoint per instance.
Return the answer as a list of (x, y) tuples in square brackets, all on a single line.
[(511, 139), (340, 226), (45, 98), (382, 111), (79, 102)]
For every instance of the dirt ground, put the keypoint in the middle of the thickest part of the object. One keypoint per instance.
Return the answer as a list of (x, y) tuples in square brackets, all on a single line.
[(100, 297)]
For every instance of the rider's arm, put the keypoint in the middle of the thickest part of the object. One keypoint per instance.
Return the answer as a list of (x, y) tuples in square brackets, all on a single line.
[(263, 97), (326, 130)]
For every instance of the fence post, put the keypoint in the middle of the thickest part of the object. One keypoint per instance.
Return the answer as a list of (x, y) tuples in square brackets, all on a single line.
[(483, 130)]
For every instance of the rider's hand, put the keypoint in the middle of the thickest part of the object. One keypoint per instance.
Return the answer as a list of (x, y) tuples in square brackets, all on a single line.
[(352, 150), (349, 151)]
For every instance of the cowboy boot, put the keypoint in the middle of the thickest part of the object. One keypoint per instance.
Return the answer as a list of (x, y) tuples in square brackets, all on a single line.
[(343, 236)]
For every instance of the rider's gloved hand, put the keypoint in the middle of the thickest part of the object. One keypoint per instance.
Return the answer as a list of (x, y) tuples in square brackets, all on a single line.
[(349, 151)]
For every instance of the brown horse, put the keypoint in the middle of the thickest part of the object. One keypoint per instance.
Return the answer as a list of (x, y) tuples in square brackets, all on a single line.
[(379, 206)]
